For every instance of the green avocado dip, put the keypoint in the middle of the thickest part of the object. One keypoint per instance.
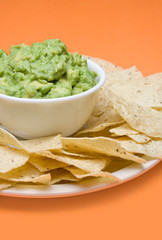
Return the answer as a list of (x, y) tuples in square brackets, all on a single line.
[(44, 70)]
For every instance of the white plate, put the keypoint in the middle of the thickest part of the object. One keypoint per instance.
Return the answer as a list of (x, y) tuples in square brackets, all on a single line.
[(87, 186)]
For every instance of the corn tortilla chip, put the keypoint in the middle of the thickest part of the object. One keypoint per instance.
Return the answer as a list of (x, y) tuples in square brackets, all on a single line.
[(117, 164), (104, 133), (141, 118), (152, 148), (33, 145), (26, 173), (87, 164), (139, 138), (11, 158), (98, 123), (7, 138), (142, 91), (66, 153), (123, 76), (148, 158), (125, 129), (5, 184), (44, 163), (78, 173), (43, 179), (102, 145), (42, 144), (60, 174), (156, 81), (103, 114)]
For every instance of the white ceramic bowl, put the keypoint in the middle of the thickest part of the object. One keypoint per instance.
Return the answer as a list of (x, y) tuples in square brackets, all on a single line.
[(32, 118)]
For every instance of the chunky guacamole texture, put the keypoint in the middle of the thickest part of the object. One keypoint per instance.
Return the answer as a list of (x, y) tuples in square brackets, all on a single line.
[(44, 70)]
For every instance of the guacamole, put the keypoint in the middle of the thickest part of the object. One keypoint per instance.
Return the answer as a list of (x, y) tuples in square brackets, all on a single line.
[(44, 70)]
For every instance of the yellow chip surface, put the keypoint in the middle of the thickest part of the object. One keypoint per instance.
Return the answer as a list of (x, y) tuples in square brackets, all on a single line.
[(139, 138), (102, 145), (45, 164), (5, 184), (141, 118), (7, 138), (141, 91), (42, 144), (60, 174), (152, 148), (126, 129), (78, 173), (26, 173), (123, 129), (11, 158), (103, 114), (87, 164)]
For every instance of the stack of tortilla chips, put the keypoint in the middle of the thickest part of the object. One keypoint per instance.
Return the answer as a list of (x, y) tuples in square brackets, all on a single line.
[(125, 127)]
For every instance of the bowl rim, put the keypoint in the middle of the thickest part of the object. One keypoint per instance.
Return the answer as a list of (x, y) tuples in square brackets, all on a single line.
[(101, 81)]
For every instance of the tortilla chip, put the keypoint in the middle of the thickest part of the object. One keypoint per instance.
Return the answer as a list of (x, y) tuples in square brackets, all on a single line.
[(60, 174), (44, 163), (139, 138), (141, 118), (125, 129), (66, 153), (152, 148), (11, 158), (7, 138), (155, 83), (87, 164), (26, 173), (42, 144), (103, 114), (148, 158), (104, 133), (139, 90), (43, 179), (5, 184), (78, 173), (117, 164), (100, 145), (33, 145), (98, 123), (123, 76)]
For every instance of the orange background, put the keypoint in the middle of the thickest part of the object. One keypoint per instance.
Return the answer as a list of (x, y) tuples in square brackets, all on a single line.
[(124, 32)]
